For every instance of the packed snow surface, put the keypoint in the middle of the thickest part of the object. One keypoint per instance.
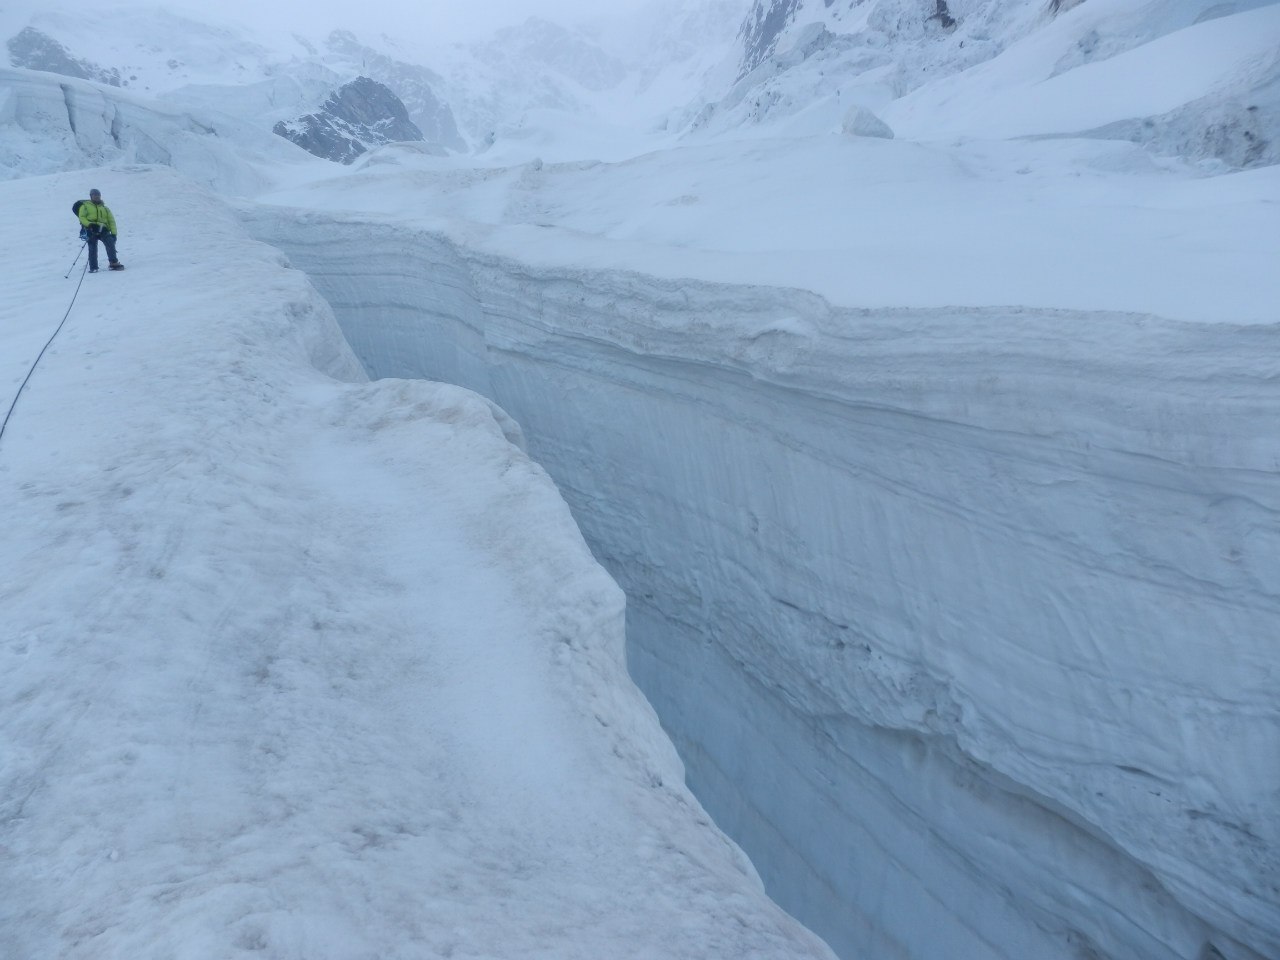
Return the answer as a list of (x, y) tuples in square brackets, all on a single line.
[(302, 666)]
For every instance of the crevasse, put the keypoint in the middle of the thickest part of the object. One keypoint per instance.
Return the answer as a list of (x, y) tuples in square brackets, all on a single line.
[(962, 620)]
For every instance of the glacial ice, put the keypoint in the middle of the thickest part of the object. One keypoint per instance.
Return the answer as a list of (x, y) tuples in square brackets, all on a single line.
[(963, 619)]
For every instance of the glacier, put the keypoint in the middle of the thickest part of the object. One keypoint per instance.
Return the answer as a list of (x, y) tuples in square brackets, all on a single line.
[(938, 472)]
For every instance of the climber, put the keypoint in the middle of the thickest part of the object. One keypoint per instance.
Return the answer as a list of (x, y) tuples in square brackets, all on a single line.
[(98, 223)]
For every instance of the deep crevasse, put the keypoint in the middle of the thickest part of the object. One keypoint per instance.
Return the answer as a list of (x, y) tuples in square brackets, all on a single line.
[(963, 620)]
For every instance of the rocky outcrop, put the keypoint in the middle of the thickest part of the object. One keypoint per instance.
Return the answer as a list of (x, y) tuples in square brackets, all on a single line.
[(360, 115), (1236, 128), (761, 30), (943, 15), (34, 50), (416, 86)]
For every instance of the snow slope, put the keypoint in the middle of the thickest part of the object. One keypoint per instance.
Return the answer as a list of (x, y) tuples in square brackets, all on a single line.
[(158, 50), (1036, 88), (299, 665), (1192, 78)]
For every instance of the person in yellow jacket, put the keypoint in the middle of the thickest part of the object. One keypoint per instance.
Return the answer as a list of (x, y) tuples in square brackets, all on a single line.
[(98, 223)]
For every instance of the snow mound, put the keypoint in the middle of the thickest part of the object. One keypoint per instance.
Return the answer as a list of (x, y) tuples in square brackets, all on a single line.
[(861, 122)]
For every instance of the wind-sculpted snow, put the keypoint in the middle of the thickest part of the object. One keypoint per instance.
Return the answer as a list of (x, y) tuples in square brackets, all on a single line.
[(963, 620), (297, 665)]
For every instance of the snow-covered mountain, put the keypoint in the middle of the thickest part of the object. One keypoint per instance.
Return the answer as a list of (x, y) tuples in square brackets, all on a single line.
[(154, 51), (790, 67), (910, 365), (1098, 69), (36, 50), (219, 67)]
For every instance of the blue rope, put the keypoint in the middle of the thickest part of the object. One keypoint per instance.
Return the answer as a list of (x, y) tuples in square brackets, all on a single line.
[(43, 349)]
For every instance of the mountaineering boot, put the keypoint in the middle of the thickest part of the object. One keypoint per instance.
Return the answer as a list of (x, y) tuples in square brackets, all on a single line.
[(93, 269), (116, 265)]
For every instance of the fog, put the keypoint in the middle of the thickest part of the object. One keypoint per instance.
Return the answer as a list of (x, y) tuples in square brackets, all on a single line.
[(411, 20)]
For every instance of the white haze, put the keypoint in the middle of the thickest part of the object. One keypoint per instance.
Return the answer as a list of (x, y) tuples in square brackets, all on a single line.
[(402, 19)]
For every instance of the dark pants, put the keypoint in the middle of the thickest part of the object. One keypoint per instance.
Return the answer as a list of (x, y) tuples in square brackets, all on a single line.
[(108, 241)]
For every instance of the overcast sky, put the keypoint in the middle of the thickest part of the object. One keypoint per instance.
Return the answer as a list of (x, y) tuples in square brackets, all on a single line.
[(418, 19)]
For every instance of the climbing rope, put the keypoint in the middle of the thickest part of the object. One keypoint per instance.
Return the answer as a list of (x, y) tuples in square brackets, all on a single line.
[(43, 349)]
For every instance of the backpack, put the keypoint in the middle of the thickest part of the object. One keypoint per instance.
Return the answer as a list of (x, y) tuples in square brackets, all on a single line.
[(75, 208)]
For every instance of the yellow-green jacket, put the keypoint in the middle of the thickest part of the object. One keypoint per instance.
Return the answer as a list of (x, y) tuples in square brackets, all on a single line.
[(97, 215)]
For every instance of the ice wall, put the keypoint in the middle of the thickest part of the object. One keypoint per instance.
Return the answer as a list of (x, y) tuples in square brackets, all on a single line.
[(964, 621), (52, 123)]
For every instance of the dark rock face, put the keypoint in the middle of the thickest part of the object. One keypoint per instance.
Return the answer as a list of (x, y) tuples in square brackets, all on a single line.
[(413, 83), (360, 114), (33, 50), (760, 31)]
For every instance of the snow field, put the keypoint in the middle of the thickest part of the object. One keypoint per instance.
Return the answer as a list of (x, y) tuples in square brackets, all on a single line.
[(1079, 225), (301, 666)]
